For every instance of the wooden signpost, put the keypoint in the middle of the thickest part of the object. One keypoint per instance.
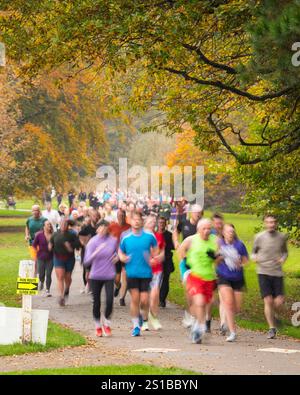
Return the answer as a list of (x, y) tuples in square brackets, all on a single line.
[(27, 285)]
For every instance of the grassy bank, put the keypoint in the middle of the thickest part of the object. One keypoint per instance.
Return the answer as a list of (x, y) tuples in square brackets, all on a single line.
[(13, 249)]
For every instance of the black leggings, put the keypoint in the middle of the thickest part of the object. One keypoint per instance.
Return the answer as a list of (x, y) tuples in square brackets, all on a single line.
[(96, 287), (165, 286)]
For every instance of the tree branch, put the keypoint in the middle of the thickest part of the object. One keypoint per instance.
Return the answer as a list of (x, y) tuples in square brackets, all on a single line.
[(197, 50), (287, 149), (232, 89)]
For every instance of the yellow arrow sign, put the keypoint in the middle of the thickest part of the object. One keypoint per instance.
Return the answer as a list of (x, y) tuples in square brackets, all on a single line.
[(27, 286)]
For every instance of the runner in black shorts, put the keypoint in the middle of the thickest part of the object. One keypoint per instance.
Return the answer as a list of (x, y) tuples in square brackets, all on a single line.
[(136, 249), (270, 252), (142, 284), (270, 285)]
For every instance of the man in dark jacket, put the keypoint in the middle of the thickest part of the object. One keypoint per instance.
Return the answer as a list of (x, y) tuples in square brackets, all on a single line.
[(168, 265)]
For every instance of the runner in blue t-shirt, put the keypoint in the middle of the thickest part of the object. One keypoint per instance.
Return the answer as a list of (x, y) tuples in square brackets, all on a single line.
[(136, 249), (231, 276)]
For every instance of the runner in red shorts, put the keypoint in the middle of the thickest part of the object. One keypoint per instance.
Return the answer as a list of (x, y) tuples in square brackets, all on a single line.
[(201, 253)]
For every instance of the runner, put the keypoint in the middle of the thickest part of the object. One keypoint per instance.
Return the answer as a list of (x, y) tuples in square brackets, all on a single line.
[(101, 256), (33, 225), (157, 272), (117, 229), (82, 196), (168, 265), (270, 252), (135, 251), (173, 217), (71, 197), (63, 244), (200, 250), (44, 256), (109, 214), (218, 224), (51, 215), (187, 227), (230, 273), (63, 211), (85, 234), (129, 211)]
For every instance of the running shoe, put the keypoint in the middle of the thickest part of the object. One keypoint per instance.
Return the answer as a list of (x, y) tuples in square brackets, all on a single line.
[(47, 293), (136, 332), (231, 337), (162, 304), (66, 294), (188, 320), (122, 302), (41, 286), (61, 302), (99, 332), (223, 330), (208, 326), (154, 322), (117, 290), (272, 333), (145, 326), (196, 337), (106, 331)]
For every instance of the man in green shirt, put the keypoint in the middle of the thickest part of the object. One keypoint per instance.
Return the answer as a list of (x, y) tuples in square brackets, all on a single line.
[(34, 224), (201, 253)]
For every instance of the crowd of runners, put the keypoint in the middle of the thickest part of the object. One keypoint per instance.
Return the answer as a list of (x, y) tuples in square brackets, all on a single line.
[(125, 244)]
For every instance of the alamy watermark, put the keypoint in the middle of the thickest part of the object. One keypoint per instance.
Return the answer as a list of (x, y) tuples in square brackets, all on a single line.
[(296, 56), (296, 316), (176, 181)]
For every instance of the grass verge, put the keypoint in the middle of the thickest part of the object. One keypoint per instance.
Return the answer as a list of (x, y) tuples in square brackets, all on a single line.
[(108, 370), (12, 250)]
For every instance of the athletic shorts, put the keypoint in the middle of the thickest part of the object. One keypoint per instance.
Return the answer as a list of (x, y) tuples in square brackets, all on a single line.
[(197, 286), (119, 266), (67, 265), (142, 284), (156, 280), (238, 286), (270, 285)]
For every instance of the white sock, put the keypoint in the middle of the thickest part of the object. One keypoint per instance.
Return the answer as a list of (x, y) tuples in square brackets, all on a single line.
[(202, 328), (196, 326), (97, 324), (135, 322), (106, 322)]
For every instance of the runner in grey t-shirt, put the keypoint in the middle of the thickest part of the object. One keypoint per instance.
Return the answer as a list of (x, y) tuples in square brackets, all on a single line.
[(270, 252)]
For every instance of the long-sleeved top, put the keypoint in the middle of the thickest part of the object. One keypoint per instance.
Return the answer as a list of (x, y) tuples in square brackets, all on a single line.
[(268, 248), (41, 244), (99, 253)]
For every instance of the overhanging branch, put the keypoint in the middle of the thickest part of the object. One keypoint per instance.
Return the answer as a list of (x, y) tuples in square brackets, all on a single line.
[(229, 88)]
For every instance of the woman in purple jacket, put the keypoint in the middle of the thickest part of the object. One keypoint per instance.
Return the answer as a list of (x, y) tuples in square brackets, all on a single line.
[(101, 256), (44, 256)]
